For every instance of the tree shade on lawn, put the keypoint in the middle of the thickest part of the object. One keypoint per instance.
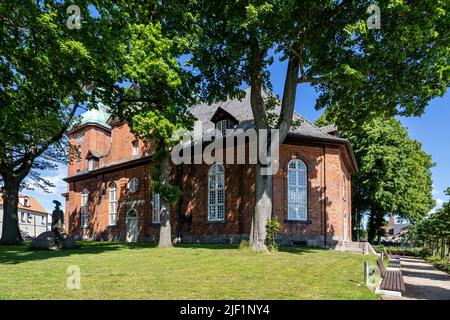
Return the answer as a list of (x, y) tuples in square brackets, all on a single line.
[(119, 271)]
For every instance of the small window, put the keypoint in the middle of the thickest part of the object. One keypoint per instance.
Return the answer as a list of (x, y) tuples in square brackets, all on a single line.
[(216, 193), (112, 204), (156, 208), (91, 164), (43, 220), (22, 216), (221, 128), (25, 202), (29, 218), (84, 209), (297, 190), (135, 148), (133, 185)]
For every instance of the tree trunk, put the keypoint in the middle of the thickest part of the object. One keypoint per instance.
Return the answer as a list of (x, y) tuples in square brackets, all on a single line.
[(371, 230), (448, 248), (262, 212), (165, 234), (10, 229)]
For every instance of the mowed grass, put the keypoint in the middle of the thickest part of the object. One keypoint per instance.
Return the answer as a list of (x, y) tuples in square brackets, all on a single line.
[(141, 271)]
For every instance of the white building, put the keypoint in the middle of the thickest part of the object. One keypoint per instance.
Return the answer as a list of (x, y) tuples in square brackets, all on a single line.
[(33, 218)]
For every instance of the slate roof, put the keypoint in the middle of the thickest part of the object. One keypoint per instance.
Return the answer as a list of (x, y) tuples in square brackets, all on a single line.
[(242, 111), (329, 128)]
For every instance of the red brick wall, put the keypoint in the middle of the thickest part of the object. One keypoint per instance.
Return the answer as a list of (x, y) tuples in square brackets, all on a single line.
[(328, 165)]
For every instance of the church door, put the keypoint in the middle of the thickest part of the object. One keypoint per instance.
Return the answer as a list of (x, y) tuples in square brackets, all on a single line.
[(132, 226)]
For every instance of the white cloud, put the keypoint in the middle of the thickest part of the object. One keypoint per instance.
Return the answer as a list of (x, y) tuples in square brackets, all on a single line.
[(46, 199), (439, 203)]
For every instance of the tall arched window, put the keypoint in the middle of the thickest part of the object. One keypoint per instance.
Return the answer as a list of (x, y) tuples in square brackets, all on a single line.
[(297, 190), (112, 204), (84, 208), (156, 206), (216, 193)]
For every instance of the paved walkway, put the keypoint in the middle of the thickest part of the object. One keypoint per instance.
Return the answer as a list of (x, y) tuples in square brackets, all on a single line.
[(423, 281)]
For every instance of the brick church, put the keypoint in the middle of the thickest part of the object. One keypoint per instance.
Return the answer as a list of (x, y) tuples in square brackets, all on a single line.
[(109, 194)]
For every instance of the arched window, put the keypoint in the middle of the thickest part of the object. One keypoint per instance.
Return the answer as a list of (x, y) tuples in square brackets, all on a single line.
[(84, 208), (156, 208), (112, 204), (297, 190), (216, 193)]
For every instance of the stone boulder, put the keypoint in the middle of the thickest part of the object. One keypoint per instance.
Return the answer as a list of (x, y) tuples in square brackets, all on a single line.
[(69, 243), (45, 240)]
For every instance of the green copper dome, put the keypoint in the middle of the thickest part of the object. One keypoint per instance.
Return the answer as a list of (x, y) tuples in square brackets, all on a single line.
[(98, 116)]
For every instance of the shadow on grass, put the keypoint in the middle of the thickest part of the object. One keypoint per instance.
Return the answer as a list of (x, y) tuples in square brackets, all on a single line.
[(20, 254)]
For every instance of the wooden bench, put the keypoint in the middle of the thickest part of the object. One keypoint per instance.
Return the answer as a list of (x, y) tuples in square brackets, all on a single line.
[(392, 279), (394, 261), (390, 255)]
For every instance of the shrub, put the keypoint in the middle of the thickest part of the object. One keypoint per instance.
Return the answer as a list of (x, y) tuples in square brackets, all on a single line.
[(273, 226), (245, 244)]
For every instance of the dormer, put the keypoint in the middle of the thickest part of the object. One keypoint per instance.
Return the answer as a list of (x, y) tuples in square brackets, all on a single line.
[(331, 129), (93, 158), (223, 120), (24, 201)]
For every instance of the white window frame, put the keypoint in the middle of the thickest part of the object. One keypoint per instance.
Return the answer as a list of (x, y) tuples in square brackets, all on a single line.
[(43, 220), (29, 217), (84, 217), (221, 127), (133, 185), (216, 190), (297, 193), (156, 208), (22, 216), (135, 148), (112, 204), (91, 164)]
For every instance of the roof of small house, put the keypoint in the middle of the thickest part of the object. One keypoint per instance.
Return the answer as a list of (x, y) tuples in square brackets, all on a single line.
[(33, 204)]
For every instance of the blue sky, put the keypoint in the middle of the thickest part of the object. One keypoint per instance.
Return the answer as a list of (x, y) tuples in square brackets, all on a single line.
[(432, 129)]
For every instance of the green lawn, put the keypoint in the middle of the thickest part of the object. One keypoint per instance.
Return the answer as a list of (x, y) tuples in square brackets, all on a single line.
[(121, 271)]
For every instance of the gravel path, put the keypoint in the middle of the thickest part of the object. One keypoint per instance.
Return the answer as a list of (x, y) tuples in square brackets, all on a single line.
[(423, 281)]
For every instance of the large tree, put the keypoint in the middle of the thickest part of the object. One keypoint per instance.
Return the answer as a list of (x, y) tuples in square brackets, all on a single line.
[(51, 66), (327, 44), (45, 67), (394, 174)]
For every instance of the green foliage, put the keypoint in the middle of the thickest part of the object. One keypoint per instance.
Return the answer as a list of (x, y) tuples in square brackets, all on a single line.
[(432, 228), (439, 263), (170, 193), (272, 226), (394, 172), (396, 69), (244, 244)]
